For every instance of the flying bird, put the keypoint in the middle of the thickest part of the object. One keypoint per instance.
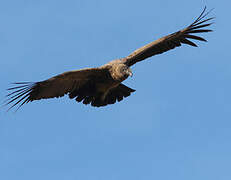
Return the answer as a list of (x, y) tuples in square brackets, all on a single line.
[(102, 86)]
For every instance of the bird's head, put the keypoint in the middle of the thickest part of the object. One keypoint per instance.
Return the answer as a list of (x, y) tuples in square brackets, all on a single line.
[(120, 72), (123, 71), (126, 71)]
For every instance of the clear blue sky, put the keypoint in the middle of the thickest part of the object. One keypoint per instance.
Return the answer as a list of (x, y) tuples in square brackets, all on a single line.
[(175, 126)]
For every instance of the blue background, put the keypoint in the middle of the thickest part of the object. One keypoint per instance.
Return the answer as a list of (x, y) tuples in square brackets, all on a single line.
[(175, 126)]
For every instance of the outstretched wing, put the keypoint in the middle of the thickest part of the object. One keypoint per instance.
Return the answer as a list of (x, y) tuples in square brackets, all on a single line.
[(56, 86), (171, 41)]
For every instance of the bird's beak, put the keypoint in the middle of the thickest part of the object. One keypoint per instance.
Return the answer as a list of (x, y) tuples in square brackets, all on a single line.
[(130, 73)]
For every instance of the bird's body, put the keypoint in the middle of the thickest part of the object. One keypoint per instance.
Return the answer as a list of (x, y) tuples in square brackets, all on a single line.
[(103, 85)]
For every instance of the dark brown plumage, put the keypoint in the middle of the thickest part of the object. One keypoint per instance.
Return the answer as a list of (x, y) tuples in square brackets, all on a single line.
[(103, 85)]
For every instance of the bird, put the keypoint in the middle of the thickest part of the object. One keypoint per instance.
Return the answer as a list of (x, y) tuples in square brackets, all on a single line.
[(102, 86)]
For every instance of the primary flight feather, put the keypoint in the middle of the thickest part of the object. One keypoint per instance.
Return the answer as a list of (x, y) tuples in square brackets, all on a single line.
[(103, 85)]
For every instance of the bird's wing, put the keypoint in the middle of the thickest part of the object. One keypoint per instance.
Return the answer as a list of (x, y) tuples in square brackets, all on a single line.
[(171, 41), (56, 86)]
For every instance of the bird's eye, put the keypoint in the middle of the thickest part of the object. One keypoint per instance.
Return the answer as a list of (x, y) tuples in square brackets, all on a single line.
[(124, 69)]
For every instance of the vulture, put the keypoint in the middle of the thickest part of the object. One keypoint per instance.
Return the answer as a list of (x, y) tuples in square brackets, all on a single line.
[(103, 85)]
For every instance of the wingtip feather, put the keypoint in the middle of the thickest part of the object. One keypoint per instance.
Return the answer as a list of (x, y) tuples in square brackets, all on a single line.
[(18, 94)]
